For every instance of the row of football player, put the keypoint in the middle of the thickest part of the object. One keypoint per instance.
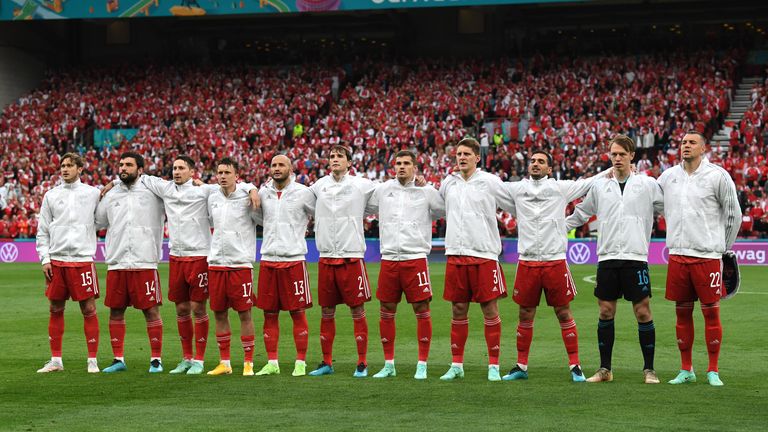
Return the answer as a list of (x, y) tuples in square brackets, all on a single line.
[(219, 266)]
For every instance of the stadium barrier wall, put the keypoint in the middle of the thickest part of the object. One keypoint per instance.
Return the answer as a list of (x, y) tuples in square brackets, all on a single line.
[(578, 252)]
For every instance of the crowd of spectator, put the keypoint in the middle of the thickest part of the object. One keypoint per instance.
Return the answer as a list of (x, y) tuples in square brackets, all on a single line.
[(569, 106)]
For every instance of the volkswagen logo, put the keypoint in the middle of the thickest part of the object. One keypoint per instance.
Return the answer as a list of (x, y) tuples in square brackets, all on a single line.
[(579, 253), (665, 255), (9, 252)]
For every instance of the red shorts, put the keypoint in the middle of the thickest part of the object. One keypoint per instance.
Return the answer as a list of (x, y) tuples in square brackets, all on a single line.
[(77, 281), (410, 277), (283, 286), (552, 277), (479, 283), (230, 288), (346, 282), (137, 288), (188, 279), (691, 279)]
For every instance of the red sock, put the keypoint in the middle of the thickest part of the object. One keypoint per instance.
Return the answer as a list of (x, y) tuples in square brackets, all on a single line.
[(684, 330), (387, 331), (424, 334), (327, 334), (300, 334), (459, 333), (493, 339), (713, 333), (117, 336), (186, 333), (361, 335), (155, 333), (248, 344), (201, 337), (56, 332), (223, 341), (571, 341), (271, 334), (524, 338), (91, 329)]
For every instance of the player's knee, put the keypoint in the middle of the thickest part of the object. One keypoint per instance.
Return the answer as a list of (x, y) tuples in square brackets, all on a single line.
[(55, 309), (564, 315)]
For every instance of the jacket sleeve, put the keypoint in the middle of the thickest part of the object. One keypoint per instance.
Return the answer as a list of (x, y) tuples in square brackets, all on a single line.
[(573, 189), (583, 211), (156, 185), (368, 188), (436, 203), (372, 205), (729, 204), (658, 197), (102, 219), (43, 234), (502, 195)]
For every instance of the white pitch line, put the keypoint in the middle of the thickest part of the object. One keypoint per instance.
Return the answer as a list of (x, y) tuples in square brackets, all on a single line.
[(593, 279)]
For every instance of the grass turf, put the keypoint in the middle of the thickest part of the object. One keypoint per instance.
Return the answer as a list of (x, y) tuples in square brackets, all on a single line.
[(136, 400)]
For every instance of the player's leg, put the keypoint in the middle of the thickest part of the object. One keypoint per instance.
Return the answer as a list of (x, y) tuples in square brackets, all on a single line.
[(327, 335), (680, 290), (646, 332), (707, 280), (247, 338), (492, 337), (459, 333), (200, 314), (424, 336), (155, 334), (360, 325), (387, 330), (329, 297), (301, 340), (91, 330), (389, 292), (55, 336), (117, 338), (525, 317), (457, 291), (223, 340), (605, 337), (570, 337), (178, 292), (186, 334), (271, 331)]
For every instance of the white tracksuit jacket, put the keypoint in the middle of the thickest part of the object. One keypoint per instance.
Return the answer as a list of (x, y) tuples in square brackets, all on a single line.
[(339, 213), (234, 229), (470, 209), (66, 230), (540, 208), (624, 220), (134, 220), (285, 221), (702, 210), (405, 218)]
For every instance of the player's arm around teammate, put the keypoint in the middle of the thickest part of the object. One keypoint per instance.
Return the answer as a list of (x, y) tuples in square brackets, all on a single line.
[(66, 244)]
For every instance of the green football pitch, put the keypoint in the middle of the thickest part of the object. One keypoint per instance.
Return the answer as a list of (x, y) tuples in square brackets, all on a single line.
[(136, 400)]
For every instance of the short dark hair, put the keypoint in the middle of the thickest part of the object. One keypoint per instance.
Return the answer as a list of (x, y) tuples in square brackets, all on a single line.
[(471, 143), (624, 142), (406, 153), (229, 161), (137, 157), (188, 160), (550, 162), (338, 148), (74, 157), (695, 132)]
